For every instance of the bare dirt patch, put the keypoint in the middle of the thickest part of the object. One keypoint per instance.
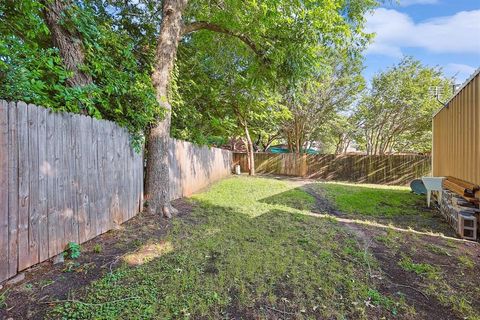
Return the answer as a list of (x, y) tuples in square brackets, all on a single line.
[(397, 282), (45, 282)]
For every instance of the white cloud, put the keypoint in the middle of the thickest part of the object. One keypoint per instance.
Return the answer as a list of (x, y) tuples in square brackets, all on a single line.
[(405, 3), (459, 71), (452, 34)]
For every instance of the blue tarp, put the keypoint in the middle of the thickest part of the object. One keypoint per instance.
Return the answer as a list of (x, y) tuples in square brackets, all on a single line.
[(285, 150)]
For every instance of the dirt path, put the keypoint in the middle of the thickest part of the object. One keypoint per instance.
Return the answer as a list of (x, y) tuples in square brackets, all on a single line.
[(390, 278)]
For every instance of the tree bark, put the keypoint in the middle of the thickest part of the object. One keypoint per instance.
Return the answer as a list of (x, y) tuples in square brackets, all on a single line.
[(157, 182), (68, 43), (250, 152)]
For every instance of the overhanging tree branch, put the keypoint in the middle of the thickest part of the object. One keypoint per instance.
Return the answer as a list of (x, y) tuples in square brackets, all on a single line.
[(204, 25)]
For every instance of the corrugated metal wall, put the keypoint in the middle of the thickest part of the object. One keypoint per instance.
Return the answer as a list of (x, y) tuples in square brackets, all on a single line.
[(456, 135)]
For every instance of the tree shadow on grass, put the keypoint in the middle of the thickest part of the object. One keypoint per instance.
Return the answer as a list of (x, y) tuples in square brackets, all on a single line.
[(295, 198), (221, 262), (231, 265)]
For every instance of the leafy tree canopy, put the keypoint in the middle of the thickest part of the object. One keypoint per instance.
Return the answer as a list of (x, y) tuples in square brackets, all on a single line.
[(396, 113), (233, 53), (32, 70)]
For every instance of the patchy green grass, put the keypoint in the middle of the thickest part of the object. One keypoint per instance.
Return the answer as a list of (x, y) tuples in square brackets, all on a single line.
[(391, 239), (372, 200), (3, 297), (394, 205), (438, 250), (466, 262), (449, 287), (248, 250), (422, 269)]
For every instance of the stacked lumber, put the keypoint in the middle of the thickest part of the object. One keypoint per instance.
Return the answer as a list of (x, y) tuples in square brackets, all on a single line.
[(467, 190)]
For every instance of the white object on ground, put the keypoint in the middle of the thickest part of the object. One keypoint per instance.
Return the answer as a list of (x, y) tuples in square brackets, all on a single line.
[(237, 169), (433, 184)]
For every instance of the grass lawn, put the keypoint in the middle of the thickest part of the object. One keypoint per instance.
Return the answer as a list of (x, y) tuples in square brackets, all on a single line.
[(247, 250), (258, 248), (394, 205)]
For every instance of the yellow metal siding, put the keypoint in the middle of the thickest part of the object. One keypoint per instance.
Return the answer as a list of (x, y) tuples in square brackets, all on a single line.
[(456, 136)]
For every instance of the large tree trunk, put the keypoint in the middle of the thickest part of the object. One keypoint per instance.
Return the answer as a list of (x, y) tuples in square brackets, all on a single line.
[(68, 43), (157, 178)]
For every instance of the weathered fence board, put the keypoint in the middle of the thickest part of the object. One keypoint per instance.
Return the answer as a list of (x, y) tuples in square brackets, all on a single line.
[(387, 169), (12, 190), (3, 191), (23, 180)]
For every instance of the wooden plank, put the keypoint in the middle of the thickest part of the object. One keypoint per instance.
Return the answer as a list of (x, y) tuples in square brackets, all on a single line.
[(73, 174), (12, 190), (78, 178), (52, 174), (107, 176), (44, 171), (88, 158), (458, 190), (101, 160), (23, 186), (121, 187), (470, 187), (99, 200), (128, 198), (139, 163), (69, 222), (60, 239), (4, 157), (124, 196), (56, 239), (93, 175), (110, 175), (64, 222), (33, 206), (116, 218), (82, 195)]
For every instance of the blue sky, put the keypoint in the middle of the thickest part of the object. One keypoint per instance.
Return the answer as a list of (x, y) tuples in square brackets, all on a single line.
[(443, 33)]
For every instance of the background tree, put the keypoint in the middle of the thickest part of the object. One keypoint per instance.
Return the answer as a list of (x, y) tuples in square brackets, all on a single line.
[(239, 101), (336, 134), (288, 35), (315, 102), (68, 40), (395, 114)]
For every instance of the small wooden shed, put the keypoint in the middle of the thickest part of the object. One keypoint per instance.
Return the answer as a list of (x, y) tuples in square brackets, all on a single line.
[(456, 134)]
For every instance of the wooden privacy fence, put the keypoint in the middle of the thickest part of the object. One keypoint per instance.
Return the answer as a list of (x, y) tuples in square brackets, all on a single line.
[(63, 177), (388, 169), (67, 177), (194, 167)]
